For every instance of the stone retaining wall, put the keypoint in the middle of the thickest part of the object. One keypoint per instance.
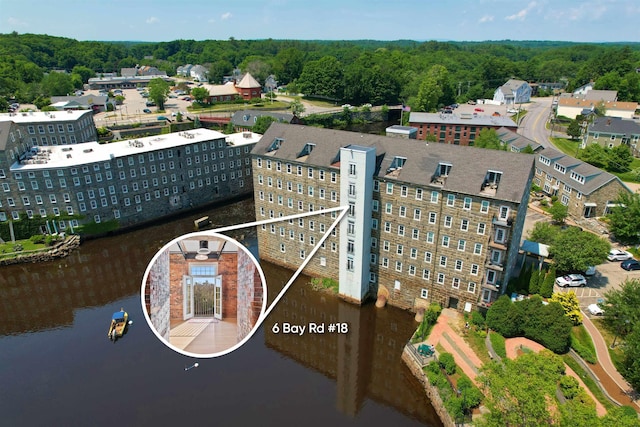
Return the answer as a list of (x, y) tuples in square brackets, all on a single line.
[(430, 390), (59, 250)]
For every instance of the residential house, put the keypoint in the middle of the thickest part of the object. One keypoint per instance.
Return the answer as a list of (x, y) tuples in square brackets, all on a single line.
[(199, 73), (456, 129), (129, 72), (586, 190), (248, 87), (270, 84), (147, 70), (613, 131), (245, 119), (513, 92), (184, 70), (424, 223), (582, 90), (515, 141)]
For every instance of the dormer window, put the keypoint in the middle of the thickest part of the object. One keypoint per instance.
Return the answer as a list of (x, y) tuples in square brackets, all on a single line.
[(275, 145), (577, 177), (444, 169), (559, 168), (308, 148), (245, 118), (491, 180), (545, 160), (396, 164)]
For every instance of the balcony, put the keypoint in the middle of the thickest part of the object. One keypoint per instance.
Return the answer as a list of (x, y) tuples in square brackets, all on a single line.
[(502, 222), (494, 266), (496, 245)]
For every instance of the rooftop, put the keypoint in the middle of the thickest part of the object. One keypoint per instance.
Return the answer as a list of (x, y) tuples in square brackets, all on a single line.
[(615, 125), (466, 170), (60, 156), (462, 119), (43, 116)]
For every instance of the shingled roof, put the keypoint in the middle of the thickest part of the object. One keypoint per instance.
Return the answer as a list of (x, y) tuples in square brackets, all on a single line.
[(248, 82), (469, 165)]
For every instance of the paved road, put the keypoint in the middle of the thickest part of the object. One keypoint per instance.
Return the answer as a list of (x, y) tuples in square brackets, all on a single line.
[(533, 125)]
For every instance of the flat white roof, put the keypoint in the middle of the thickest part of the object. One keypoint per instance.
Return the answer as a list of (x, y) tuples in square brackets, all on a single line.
[(43, 116), (243, 138), (61, 156)]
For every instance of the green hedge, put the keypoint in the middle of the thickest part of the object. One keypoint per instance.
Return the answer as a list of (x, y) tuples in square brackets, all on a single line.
[(498, 344)]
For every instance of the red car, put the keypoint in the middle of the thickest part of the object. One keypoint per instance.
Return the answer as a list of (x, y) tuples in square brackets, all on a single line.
[(479, 110)]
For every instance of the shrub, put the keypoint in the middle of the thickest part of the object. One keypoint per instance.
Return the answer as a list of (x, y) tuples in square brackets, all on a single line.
[(478, 320), (37, 238), (544, 202), (546, 289), (448, 363), (569, 386), (534, 286)]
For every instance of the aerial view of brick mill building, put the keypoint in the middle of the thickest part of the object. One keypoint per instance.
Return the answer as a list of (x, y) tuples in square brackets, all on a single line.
[(55, 170), (425, 222)]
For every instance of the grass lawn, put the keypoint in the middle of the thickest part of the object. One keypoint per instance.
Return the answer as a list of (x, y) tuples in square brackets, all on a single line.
[(218, 108), (27, 245), (580, 333), (476, 341)]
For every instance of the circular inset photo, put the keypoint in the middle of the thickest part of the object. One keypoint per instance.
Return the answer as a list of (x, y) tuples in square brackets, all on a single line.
[(203, 294)]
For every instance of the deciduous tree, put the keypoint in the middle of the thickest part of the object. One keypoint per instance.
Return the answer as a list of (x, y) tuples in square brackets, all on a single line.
[(575, 250), (159, 91), (624, 218)]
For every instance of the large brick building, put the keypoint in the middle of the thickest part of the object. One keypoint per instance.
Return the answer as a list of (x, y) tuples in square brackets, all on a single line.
[(425, 223), (456, 129)]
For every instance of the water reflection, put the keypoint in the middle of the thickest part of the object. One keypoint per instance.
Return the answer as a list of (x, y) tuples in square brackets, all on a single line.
[(64, 371)]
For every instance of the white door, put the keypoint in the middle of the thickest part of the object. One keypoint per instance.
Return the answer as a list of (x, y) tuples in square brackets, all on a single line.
[(187, 297), (217, 305)]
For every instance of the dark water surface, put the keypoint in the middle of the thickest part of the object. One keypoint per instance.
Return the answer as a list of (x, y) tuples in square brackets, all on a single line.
[(58, 368)]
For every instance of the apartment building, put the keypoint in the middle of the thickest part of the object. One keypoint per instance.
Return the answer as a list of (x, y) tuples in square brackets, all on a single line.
[(425, 223), (456, 129), (586, 190), (130, 182)]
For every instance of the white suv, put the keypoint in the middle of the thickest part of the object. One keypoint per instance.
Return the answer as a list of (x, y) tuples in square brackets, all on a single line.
[(618, 255), (573, 280)]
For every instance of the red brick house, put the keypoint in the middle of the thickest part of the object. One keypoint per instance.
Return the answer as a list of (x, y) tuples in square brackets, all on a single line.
[(249, 87)]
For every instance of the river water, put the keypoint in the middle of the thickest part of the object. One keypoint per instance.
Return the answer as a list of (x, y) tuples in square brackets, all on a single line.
[(58, 368)]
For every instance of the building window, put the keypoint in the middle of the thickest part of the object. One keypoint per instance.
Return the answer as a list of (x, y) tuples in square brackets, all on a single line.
[(389, 188), (432, 217), (481, 228), (434, 197), (451, 200), (458, 266), (461, 245), (424, 293), (445, 241), (418, 193), (477, 249), (484, 208), (440, 279), (426, 274), (455, 283), (427, 257), (467, 203), (464, 225)]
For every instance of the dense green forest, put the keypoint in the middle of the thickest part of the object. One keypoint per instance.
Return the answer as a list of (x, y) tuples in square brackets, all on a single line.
[(424, 75)]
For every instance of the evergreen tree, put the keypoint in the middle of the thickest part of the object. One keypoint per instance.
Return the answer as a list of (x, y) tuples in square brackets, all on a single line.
[(546, 290), (534, 282)]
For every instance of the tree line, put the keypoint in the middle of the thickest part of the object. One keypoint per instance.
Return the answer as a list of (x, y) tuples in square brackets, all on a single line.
[(424, 75)]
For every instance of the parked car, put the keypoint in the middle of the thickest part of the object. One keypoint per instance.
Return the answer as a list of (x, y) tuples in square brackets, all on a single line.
[(512, 111), (571, 280), (595, 310), (147, 111), (618, 255), (480, 110), (162, 118), (471, 102), (630, 264)]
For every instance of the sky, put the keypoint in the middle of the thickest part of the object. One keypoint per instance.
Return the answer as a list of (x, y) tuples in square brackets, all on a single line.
[(456, 20)]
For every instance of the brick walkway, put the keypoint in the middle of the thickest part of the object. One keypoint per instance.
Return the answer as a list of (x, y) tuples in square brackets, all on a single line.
[(448, 337), (604, 359)]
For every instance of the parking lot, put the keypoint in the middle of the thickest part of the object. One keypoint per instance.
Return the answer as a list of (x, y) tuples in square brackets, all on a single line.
[(132, 110), (609, 275)]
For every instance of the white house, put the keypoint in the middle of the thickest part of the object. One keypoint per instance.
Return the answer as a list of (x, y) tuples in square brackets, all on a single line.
[(199, 73), (513, 92)]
